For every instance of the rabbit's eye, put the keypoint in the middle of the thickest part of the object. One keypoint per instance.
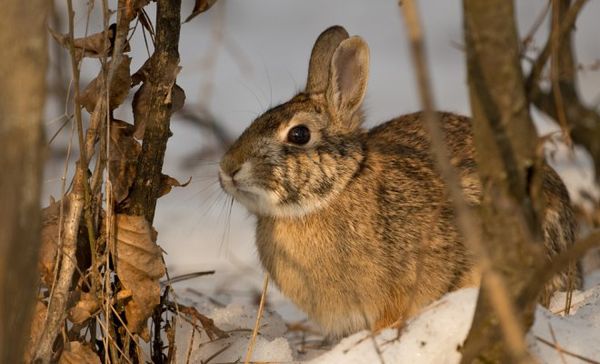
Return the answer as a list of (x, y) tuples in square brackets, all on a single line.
[(299, 134)]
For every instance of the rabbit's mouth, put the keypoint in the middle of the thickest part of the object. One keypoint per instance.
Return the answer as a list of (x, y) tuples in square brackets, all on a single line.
[(255, 199)]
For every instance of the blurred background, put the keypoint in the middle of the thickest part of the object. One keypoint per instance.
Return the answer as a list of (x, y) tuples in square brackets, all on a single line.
[(241, 58)]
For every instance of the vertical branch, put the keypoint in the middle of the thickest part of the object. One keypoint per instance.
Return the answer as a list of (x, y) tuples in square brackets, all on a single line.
[(58, 301), (22, 95), (505, 143), (555, 66), (164, 68), (467, 223)]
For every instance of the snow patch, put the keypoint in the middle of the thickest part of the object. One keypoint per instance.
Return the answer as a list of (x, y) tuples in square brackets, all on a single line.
[(194, 346), (433, 336)]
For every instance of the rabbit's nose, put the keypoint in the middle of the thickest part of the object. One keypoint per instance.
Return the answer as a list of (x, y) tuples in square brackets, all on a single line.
[(229, 167)]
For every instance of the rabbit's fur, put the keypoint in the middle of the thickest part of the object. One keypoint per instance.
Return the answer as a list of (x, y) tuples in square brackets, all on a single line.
[(354, 226)]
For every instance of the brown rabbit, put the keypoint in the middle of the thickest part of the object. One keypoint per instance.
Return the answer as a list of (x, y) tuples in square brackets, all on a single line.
[(353, 224)]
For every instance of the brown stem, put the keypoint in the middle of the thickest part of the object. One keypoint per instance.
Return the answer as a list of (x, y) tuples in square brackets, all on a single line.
[(60, 293), (567, 24), (164, 69)]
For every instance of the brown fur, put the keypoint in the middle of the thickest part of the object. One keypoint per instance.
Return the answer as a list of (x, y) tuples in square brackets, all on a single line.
[(355, 227)]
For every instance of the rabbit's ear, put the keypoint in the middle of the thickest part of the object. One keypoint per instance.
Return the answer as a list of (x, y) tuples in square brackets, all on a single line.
[(348, 77), (320, 58)]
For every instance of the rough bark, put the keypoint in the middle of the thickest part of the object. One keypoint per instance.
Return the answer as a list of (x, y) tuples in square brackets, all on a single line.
[(22, 94), (164, 69), (505, 142)]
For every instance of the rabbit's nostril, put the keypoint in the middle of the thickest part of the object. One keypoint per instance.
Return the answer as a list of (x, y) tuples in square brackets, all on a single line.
[(232, 174)]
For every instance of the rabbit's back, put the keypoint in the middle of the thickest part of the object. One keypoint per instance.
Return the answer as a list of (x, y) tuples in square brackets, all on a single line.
[(406, 140)]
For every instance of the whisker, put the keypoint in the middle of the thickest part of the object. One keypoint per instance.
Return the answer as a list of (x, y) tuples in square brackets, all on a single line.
[(227, 231), (247, 87)]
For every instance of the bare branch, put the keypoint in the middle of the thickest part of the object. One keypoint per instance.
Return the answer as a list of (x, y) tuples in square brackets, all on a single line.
[(468, 224)]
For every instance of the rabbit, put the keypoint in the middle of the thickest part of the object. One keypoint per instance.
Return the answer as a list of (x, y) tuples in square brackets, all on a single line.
[(354, 225)]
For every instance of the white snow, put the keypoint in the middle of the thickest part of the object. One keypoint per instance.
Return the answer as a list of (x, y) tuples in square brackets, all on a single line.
[(238, 321), (431, 337), (578, 333)]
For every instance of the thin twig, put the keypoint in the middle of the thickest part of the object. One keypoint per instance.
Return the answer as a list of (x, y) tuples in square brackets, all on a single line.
[(560, 261), (259, 314), (561, 350), (209, 326), (555, 39), (556, 346), (191, 344), (60, 294), (565, 28), (114, 344), (536, 24)]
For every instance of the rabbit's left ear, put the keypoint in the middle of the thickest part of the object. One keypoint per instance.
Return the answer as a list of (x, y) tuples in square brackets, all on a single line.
[(348, 77)]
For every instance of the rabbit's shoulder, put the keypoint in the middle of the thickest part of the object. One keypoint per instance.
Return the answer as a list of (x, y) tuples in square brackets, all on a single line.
[(408, 134), (403, 147)]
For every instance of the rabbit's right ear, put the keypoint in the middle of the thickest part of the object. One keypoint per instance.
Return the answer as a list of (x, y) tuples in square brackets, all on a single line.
[(320, 58)]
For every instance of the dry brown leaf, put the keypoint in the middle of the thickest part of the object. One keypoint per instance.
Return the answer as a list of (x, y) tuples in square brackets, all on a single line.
[(141, 104), (123, 158), (177, 98), (139, 266), (168, 182), (84, 308), (37, 325), (200, 6), (119, 87), (49, 243), (77, 353), (49, 246), (133, 6), (95, 46)]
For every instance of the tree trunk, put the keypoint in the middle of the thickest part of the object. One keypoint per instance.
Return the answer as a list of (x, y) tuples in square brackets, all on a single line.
[(22, 94), (505, 142)]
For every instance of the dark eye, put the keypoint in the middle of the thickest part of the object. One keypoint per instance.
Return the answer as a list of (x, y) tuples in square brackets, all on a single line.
[(299, 134)]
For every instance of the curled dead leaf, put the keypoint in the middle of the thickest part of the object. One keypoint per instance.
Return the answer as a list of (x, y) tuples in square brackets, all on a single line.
[(123, 158), (84, 308), (95, 46), (141, 104), (50, 242), (118, 91), (139, 266), (168, 182), (177, 98), (77, 353), (200, 6), (49, 246), (133, 6)]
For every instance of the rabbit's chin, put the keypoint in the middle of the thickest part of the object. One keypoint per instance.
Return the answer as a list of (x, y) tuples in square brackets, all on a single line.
[(267, 203)]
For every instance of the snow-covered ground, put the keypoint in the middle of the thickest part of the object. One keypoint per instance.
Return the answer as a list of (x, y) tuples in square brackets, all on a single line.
[(432, 337)]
